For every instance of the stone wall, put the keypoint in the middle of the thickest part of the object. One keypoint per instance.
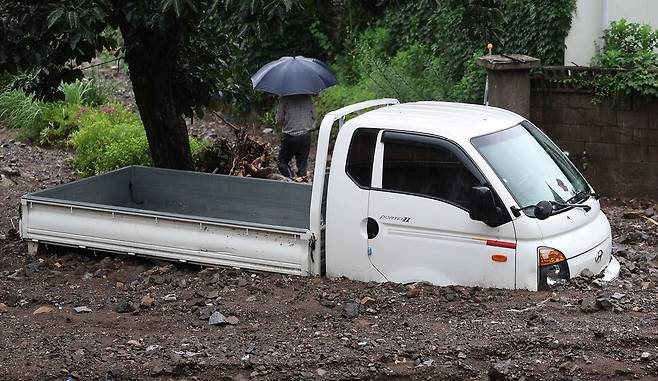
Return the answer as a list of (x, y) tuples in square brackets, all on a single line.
[(614, 143)]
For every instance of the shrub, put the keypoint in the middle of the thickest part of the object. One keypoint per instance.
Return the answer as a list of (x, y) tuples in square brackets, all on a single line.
[(340, 96), (62, 120), (412, 74), (20, 110), (368, 72), (87, 91), (112, 137), (630, 51), (470, 88)]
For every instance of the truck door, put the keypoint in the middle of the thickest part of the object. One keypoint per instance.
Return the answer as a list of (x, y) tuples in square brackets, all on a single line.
[(418, 217), (347, 205)]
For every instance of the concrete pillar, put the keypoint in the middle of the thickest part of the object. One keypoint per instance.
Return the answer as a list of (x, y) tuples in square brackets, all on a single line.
[(508, 79)]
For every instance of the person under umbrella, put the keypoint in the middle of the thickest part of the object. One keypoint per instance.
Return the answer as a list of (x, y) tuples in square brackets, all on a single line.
[(294, 80)]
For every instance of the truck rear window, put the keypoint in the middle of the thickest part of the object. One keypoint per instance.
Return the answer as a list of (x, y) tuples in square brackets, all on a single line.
[(360, 156)]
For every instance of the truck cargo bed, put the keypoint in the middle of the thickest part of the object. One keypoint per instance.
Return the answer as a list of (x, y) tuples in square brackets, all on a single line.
[(188, 216), (192, 194)]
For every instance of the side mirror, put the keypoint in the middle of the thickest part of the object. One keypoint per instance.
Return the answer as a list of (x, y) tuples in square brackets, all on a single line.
[(543, 210), (483, 206)]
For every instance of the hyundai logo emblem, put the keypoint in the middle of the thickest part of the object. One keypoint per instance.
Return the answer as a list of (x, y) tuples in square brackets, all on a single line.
[(598, 257)]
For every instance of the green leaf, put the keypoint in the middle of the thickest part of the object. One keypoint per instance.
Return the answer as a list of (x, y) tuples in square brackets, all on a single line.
[(54, 16), (177, 7), (166, 4)]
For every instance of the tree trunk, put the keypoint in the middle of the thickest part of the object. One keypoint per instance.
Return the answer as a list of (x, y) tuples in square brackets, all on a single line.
[(152, 66)]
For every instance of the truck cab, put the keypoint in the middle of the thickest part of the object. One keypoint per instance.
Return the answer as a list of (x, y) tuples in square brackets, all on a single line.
[(458, 194)]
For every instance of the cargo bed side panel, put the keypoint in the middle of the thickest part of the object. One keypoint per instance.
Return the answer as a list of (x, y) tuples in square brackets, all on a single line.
[(179, 239)]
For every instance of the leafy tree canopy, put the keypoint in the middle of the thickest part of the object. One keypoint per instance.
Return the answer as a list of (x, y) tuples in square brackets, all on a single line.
[(179, 52)]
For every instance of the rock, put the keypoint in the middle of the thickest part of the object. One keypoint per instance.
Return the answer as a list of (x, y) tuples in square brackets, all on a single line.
[(605, 303), (206, 311), (321, 372), (136, 343), (232, 320), (350, 310), (151, 348), (42, 310), (649, 212), (461, 355), (3, 308), (499, 370), (555, 344), (630, 266), (197, 302), (124, 306), (599, 334), (212, 294), (9, 171), (451, 296), (13, 300), (252, 298), (2, 237), (367, 301), (589, 304), (412, 292), (645, 356), (267, 130), (82, 309), (148, 301), (87, 276), (216, 318), (169, 298), (617, 296), (427, 362), (6, 182), (327, 303)]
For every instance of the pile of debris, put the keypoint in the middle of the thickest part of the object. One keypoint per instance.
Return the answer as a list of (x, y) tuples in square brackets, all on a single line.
[(242, 156)]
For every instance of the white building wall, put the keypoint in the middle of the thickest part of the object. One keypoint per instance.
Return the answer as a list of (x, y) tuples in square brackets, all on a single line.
[(593, 16)]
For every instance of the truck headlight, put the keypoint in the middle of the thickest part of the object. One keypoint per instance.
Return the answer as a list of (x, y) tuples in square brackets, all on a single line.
[(553, 268)]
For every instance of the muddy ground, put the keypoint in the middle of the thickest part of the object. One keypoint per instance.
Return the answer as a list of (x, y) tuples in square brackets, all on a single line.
[(150, 320), (139, 320)]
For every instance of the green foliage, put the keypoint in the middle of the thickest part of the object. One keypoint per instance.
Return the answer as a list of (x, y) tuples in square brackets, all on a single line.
[(110, 137), (62, 120), (268, 118), (102, 146), (536, 28), (411, 74), (5, 79), (425, 58), (470, 88), (20, 110), (628, 45), (629, 51), (87, 91), (340, 96)]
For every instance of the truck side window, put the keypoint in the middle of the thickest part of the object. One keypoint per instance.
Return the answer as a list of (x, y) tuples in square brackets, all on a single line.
[(427, 171), (360, 156)]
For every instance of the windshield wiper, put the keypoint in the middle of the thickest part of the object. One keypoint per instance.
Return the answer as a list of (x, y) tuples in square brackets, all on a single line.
[(545, 209), (568, 205), (582, 193)]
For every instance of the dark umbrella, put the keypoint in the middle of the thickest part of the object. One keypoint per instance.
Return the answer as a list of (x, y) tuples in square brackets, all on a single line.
[(293, 75)]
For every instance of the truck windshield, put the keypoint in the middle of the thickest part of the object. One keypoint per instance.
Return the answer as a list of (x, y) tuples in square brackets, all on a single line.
[(531, 166)]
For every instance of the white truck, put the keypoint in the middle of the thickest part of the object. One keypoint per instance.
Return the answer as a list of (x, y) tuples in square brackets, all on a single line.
[(451, 194)]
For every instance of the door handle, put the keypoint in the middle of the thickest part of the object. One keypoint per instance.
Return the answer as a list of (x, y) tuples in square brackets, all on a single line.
[(373, 228)]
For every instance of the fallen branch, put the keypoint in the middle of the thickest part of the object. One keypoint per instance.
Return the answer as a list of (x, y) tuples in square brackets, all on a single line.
[(650, 220)]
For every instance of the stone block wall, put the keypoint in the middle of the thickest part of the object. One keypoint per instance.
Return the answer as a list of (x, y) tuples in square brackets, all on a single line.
[(614, 143)]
